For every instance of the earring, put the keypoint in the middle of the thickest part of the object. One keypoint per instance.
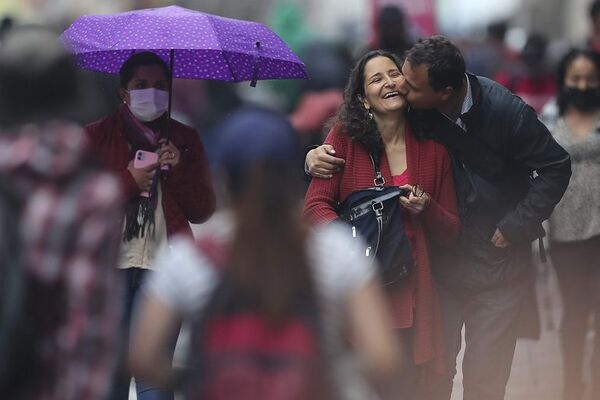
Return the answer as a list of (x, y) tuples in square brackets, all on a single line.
[(369, 114)]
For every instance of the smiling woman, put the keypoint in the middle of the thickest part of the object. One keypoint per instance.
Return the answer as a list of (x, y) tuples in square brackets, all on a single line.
[(383, 79), (372, 120)]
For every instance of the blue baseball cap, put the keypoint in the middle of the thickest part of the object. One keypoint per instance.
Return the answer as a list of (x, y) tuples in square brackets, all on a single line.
[(253, 136)]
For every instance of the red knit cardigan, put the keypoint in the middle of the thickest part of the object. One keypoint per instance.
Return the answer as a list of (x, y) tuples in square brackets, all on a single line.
[(187, 190), (428, 165)]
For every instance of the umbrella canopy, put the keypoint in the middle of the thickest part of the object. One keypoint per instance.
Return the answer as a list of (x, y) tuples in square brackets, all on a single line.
[(197, 45)]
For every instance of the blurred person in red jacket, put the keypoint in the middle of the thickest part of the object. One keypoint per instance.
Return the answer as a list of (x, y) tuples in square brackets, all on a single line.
[(177, 195), (59, 216), (529, 77), (328, 66)]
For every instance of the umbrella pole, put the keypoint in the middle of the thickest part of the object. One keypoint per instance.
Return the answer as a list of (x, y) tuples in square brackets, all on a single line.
[(171, 58)]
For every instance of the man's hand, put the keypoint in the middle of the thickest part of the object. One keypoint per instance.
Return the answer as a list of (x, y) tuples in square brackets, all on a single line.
[(498, 239), (322, 163)]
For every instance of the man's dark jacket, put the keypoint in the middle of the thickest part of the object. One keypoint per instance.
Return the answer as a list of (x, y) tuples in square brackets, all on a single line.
[(510, 173)]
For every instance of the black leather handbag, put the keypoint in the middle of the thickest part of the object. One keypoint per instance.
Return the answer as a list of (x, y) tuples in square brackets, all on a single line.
[(374, 215)]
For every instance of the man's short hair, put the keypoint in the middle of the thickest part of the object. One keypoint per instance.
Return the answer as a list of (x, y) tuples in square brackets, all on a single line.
[(444, 60)]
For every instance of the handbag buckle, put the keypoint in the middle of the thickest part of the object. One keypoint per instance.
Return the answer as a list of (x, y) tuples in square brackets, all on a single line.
[(379, 180), (377, 207)]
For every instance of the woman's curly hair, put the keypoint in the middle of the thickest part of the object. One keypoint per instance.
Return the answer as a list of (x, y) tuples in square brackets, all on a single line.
[(353, 116)]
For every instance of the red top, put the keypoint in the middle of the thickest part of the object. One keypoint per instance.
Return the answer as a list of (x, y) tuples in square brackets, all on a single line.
[(314, 109), (535, 90), (428, 164), (187, 190), (405, 299)]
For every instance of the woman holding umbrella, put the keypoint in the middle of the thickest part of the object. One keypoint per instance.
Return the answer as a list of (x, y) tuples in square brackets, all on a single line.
[(163, 197)]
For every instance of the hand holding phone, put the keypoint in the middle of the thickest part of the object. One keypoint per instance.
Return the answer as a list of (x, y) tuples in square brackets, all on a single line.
[(144, 169)]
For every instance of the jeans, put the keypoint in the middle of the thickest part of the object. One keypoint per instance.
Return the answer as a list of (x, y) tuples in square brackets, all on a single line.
[(133, 279)]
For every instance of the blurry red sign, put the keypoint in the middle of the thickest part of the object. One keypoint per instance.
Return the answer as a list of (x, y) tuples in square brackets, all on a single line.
[(420, 13)]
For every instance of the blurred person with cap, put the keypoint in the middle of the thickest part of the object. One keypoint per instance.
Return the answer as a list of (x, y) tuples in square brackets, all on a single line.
[(58, 307), (274, 262)]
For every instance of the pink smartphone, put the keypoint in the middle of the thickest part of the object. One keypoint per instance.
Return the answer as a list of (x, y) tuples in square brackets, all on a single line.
[(143, 159)]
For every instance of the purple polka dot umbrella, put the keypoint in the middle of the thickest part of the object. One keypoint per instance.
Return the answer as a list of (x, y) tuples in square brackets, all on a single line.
[(197, 45)]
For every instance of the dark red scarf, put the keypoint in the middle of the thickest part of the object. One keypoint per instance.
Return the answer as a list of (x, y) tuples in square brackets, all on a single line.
[(139, 211)]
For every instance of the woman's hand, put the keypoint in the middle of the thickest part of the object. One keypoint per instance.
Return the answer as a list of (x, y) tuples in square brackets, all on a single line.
[(168, 154), (321, 162), (416, 201), (143, 176)]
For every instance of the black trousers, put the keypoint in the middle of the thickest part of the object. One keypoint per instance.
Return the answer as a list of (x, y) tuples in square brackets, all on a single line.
[(577, 266), (491, 320)]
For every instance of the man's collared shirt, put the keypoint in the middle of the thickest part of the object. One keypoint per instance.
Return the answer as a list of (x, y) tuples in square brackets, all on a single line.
[(466, 105)]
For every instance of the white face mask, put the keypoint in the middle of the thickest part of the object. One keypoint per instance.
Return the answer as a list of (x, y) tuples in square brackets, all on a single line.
[(148, 104)]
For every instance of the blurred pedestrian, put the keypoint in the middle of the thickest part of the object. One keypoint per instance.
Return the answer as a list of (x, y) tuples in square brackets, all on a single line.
[(574, 233), (391, 31), (328, 66), (59, 307), (593, 41), (178, 185), (529, 77), (373, 121), (497, 143), (274, 271), (491, 55)]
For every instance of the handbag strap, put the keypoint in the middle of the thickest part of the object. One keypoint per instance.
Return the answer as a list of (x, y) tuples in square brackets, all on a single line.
[(379, 180)]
